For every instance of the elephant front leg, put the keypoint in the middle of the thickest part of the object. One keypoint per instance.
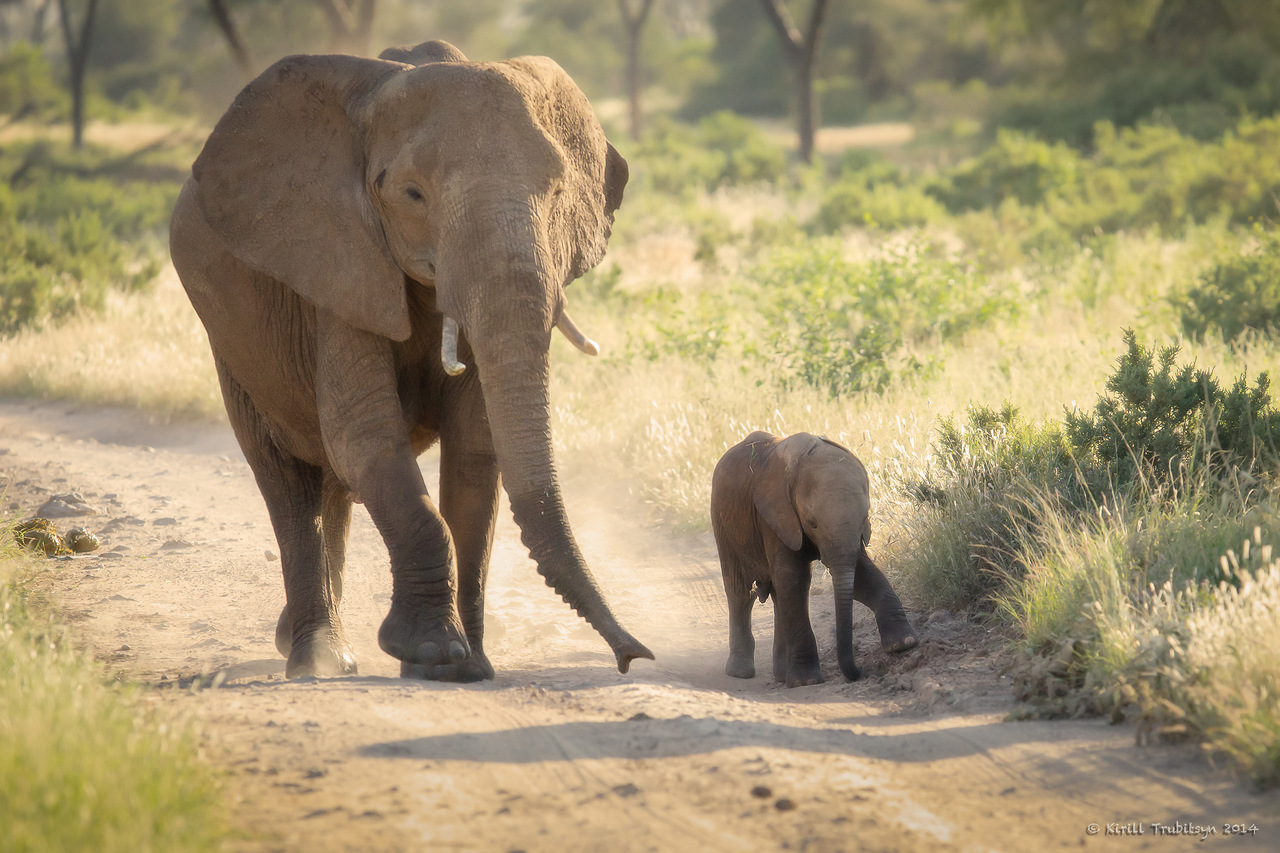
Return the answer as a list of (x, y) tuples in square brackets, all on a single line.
[(795, 650), (872, 588), (367, 443)]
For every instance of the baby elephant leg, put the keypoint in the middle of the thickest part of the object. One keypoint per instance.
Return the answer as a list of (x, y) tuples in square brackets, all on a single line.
[(742, 645), (872, 588)]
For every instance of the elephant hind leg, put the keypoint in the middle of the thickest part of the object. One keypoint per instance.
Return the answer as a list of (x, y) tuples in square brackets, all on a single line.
[(335, 523), (872, 588), (469, 503), (309, 632)]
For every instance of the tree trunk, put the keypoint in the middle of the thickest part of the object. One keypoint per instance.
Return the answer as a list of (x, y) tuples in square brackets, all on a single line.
[(802, 55), (227, 24), (78, 55), (634, 25)]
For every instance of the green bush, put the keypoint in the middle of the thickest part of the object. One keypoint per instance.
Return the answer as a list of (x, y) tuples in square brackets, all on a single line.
[(66, 240), (846, 327), (1017, 167), (28, 88), (1241, 292), (859, 200), (722, 149), (1158, 430), (1168, 422)]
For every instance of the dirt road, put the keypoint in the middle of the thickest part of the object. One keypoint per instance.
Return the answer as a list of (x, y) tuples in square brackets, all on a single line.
[(561, 753)]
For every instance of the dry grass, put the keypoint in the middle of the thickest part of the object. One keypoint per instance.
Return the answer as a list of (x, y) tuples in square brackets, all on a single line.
[(146, 351)]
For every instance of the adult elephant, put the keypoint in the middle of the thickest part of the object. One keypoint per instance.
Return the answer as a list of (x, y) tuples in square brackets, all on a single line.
[(353, 234)]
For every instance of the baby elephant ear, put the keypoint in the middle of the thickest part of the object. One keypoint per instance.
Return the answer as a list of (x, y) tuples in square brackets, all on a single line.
[(281, 179), (773, 500)]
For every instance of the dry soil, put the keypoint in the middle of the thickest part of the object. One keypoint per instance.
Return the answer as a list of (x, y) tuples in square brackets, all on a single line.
[(561, 752)]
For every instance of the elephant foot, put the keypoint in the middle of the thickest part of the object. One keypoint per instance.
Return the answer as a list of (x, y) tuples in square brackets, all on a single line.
[(897, 635), (740, 667), (430, 637), (325, 657), (794, 674), (474, 668), (804, 679)]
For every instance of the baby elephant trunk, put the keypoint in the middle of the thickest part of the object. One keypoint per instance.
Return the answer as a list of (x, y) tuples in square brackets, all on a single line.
[(842, 580)]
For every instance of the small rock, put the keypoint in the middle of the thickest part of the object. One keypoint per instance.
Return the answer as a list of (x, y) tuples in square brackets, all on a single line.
[(175, 545), (125, 648), (271, 556), (67, 505), (784, 805), (761, 791), (165, 522), (627, 790)]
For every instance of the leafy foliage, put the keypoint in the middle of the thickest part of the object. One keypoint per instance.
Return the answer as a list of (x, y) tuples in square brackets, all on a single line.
[(1166, 420), (1241, 292), (722, 149), (65, 240)]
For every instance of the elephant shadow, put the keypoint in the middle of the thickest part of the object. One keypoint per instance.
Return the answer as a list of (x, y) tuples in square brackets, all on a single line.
[(643, 737)]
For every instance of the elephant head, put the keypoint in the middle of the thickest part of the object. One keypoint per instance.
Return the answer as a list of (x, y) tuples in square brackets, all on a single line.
[(812, 490), (351, 180)]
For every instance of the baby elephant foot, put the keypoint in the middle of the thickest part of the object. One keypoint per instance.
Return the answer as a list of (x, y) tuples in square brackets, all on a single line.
[(325, 656), (803, 674), (740, 666), (474, 668), (897, 635), (430, 637)]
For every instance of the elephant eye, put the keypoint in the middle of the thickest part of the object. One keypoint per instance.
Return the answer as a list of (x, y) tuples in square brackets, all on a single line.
[(413, 193)]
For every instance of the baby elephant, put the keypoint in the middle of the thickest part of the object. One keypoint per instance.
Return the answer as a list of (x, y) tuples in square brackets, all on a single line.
[(776, 506)]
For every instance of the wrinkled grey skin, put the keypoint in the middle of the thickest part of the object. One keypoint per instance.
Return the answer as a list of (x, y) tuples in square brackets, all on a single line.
[(339, 210), (776, 506)]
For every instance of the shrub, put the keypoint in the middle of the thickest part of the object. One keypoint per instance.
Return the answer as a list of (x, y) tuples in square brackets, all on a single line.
[(723, 149), (1164, 423), (857, 200), (1017, 167), (846, 327), (66, 240), (1241, 292)]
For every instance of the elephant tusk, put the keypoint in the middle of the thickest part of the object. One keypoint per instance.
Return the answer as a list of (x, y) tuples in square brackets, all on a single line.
[(575, 335), (449, 348)]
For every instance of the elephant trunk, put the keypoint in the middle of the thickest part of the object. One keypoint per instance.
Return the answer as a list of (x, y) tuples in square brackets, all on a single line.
[(509, 329), (842, 582), (518, 406)]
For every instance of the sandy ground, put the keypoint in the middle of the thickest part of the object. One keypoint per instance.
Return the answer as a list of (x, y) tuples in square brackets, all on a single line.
[(561, 752)]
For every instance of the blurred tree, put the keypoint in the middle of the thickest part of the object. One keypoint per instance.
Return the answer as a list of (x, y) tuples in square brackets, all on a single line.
[(350, 24), (801, 51), (77, 45), (634, 23), (227, 26)]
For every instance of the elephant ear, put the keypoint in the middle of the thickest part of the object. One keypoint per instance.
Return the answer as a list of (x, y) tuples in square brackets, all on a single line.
[(774, 496), (281, 179), (595, 171)]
